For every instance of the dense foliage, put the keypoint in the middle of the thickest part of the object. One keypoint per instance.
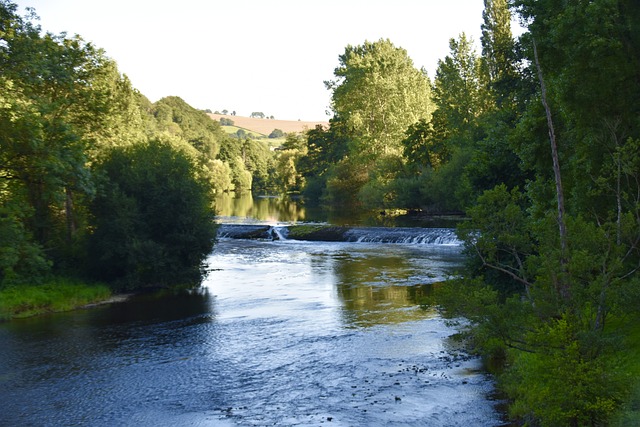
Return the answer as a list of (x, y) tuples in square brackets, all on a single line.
[(537, 141), (153, 218), (95, 180)]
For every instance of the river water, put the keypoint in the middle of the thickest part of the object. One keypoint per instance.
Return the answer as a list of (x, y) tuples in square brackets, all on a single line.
[(282, 332)]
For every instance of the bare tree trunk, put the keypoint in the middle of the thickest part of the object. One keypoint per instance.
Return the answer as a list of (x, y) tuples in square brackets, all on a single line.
[(563, 285)]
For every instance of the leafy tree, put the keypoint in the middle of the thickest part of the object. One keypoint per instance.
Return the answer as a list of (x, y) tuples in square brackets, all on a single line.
[(153, 218), (324, 148), (220, 176), (560, 287), (498, 50), (457, 89), (193, 125), (63, 100), (259, 160), (378, 93), (257, 115), (276, 133)]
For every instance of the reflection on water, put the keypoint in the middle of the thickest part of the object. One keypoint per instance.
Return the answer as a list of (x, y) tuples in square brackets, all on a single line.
[(282, 333), (264, 209), (243, 207), (384, 284)]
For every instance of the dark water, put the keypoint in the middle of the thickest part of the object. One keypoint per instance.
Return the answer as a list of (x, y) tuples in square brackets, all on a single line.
[(282, 333)]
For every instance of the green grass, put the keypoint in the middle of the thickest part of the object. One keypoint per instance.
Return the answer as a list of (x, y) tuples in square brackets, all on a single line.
[(273, 142), (58, 294), (231, 130)]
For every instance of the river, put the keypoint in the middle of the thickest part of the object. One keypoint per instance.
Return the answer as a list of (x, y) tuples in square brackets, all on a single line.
[(282, 332)]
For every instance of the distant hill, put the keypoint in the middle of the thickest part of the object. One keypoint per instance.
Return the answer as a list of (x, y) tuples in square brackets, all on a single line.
[(266, 126)]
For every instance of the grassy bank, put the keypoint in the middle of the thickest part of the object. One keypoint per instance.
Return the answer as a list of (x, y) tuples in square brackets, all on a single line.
[(58, 294)]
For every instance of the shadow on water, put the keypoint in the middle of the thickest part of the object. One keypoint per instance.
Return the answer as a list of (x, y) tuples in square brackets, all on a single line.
[(81, 334)]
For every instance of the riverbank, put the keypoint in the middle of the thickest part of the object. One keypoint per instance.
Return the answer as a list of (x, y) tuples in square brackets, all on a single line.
[(56, 295)]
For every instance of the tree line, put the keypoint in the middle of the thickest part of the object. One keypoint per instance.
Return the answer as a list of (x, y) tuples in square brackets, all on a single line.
[(97, 182), (537, 141)]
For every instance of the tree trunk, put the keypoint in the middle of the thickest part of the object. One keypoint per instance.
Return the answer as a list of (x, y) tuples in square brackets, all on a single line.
[(563, 285)]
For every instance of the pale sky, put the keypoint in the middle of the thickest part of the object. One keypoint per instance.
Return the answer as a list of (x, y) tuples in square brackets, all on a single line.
[(269, 56)]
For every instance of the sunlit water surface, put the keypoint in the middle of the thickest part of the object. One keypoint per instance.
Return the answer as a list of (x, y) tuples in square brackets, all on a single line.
[(282, 333)]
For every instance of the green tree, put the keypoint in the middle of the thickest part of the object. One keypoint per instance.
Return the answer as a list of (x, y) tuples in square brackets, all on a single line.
[(562, 275), (276, 133), (498, 50), (63, 100), (324, 148), (195, 126), (378, 93), (437, 151), (153, 218)]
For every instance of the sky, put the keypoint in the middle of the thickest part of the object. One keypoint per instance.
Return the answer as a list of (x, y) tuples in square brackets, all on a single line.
[(269, 56)]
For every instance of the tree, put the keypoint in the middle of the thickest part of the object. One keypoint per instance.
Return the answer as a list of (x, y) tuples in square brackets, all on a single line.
[(276, 133), (378, 93), (257, 115), (498, 49), (457, 89), (324, 148), (63, 101), (153, 218), (552, 279)]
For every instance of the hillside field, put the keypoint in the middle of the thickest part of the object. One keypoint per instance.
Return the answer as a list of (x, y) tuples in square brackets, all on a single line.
[(266, 126)]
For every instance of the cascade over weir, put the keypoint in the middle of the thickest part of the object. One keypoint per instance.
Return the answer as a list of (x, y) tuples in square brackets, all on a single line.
[(331, 233)]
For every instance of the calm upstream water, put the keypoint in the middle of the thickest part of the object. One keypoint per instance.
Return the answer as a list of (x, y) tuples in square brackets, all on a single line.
[(282, 333)]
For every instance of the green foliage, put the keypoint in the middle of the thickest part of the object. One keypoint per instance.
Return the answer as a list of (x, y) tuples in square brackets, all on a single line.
[(259, 160), (21, 259), (563, 385), (153, 218), (221, 176), (196, 127), (378, 94), (276, 133)]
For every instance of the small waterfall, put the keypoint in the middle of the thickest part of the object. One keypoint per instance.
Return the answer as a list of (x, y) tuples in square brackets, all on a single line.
[(400, 235), (278, 233), (414, 236)]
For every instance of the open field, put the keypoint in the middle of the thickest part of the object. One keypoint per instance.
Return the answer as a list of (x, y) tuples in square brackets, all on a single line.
[(250, 133), (266, 126)]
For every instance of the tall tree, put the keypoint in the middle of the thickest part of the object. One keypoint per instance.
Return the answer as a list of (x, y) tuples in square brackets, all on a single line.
[(61, 96), (498, 54), (378, 93)]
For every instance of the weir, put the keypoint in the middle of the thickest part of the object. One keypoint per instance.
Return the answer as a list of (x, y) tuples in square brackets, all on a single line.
[(400, 235)]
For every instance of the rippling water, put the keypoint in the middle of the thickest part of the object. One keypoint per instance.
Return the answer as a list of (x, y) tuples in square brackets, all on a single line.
[(282, 333)]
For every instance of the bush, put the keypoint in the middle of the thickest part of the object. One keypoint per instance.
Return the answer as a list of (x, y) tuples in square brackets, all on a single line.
[(276, 133), (153, 218)]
